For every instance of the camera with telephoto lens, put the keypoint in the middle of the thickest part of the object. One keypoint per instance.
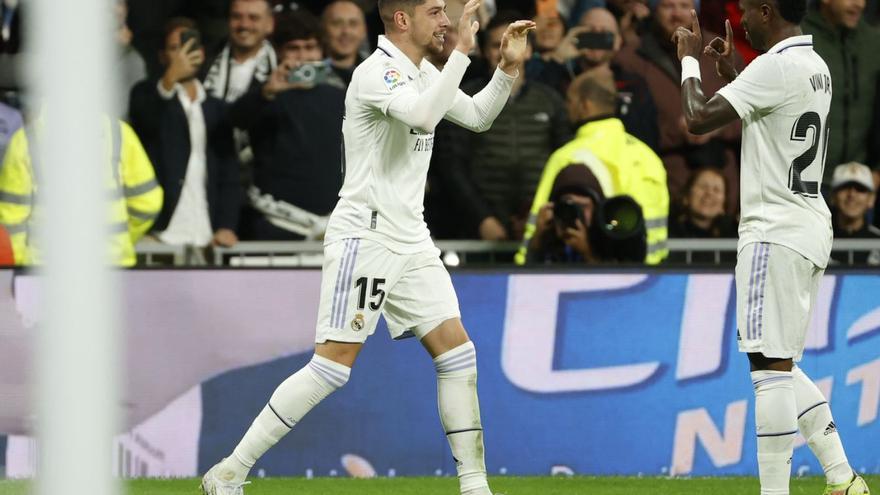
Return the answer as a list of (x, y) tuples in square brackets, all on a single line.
[(617, 231), (310, 73)]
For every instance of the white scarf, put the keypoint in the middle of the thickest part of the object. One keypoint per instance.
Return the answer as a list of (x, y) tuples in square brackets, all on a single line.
[(217, 81)]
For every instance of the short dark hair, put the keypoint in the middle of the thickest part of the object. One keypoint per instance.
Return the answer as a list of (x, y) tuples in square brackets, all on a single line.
[(598, 88), (176, 23), (297, 25), (387, 8), (502, 18), (792, 11)]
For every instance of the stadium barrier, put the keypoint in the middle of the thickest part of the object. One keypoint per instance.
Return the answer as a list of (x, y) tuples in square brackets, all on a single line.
[(607, 373), (456, 253)]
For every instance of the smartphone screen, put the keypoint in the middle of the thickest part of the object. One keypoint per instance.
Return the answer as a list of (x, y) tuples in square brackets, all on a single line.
[(189, 34), (595, 41)]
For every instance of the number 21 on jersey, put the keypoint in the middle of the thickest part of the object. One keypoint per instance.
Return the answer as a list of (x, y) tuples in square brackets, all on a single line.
[(799, 132)]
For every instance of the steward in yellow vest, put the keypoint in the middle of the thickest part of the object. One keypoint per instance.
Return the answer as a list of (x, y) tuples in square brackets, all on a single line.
[(621, 163), (135, 197)]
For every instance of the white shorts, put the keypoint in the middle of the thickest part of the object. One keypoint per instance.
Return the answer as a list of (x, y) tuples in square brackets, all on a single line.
[(775, 290), (362, 279)]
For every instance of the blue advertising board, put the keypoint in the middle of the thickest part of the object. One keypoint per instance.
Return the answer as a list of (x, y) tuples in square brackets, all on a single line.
[(600, 374)]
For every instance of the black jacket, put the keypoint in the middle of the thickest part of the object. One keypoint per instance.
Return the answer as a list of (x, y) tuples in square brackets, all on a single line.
[(163, 129), (297, 142), (495, 173)]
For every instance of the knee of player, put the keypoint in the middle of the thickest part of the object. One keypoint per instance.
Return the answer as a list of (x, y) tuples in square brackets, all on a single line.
[(459, 360), (328, 372)]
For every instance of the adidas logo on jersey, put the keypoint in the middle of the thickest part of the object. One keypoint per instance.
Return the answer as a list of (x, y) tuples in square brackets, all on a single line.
[(830, 429)]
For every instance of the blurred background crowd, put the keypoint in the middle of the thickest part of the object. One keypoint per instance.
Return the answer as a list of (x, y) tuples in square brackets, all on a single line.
[(230, 124)]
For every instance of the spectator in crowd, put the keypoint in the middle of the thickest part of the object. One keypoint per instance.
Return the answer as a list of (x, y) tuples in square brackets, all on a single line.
[(136, 197), (633, 16), (345, 30), (130, 66), (487, 178), (622, 164), (189, 140), (849, 47), (10, 121), (549, 33), (655, 59), (635, 106), (852, 195), (557, 240), (702, 211), (248, 56), (11, 51), (297, 137)]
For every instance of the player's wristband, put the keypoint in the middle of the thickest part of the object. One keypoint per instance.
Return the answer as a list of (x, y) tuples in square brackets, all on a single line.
[(690, 67)]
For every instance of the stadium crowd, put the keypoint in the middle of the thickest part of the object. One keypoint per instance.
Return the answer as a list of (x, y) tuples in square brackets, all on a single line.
[(232, 127)]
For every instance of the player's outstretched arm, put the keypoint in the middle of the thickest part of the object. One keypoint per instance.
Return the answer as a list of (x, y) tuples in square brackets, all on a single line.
[(702, 115), (424, 110), (478, 113)]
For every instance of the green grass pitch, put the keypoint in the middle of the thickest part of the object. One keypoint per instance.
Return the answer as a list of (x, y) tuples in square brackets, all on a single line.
[(507, 485)]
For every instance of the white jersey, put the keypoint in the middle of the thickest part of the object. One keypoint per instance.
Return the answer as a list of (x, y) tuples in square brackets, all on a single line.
[(783, 98), (391, 109)]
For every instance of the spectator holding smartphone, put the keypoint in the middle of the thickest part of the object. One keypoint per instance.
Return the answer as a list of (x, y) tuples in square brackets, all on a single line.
[(593, 44), (294, 124), (189, 140)]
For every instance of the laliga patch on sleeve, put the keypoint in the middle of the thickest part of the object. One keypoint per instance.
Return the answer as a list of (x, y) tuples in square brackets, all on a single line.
[(393, 79)]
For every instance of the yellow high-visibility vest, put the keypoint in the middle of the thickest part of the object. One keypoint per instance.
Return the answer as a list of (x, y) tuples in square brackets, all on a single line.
[(134, 201), (623, 165)]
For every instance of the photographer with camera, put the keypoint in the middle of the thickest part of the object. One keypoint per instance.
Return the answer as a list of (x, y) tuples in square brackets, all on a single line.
[(189, 140), (594, 43), (579, 225), (293, 124), (623, 165), (561, 230)]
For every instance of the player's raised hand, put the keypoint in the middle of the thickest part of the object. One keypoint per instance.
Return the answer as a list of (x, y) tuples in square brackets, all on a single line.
[(689, 41), (514, 46), (724, 54), (468, 27)]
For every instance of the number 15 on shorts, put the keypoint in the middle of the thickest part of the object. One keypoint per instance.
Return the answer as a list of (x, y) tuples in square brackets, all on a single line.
[(376, 293)]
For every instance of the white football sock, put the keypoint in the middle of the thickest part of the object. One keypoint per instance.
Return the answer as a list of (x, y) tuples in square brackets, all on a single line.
[(460, 416), (817, 426), (776, 425), (290, 402)]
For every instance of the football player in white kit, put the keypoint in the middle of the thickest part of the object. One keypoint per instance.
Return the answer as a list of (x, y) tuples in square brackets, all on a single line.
[(782, 98), (379, 256)]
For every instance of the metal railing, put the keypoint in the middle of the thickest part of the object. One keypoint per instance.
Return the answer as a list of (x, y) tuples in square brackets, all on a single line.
[(455, 253)]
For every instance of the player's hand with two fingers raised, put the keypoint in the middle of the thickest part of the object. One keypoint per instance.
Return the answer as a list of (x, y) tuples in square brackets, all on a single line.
[(514, 46), (724, 54), (468, 27), (689, 41)]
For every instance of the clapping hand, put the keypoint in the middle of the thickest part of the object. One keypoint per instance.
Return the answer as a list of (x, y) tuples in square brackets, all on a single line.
[(467, 27), (514, 45)]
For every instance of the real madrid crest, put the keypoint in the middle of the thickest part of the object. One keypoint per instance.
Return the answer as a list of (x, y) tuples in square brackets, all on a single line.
[(357, 324)]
